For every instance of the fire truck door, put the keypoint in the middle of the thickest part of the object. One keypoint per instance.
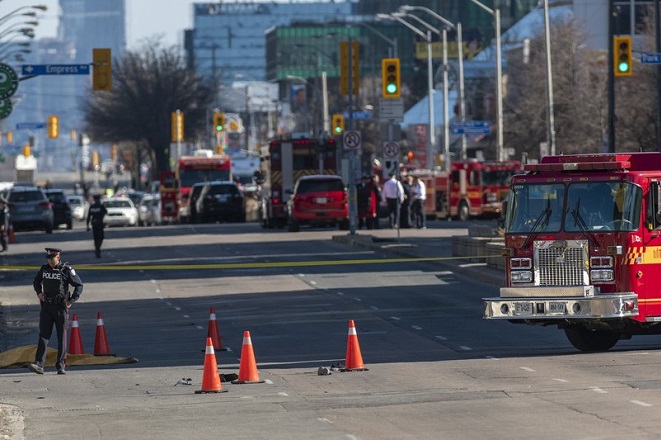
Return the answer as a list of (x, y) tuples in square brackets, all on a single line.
[(287, 162), (650, 283)]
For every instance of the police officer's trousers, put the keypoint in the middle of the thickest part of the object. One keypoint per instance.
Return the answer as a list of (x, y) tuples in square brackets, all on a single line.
[(58, 315)]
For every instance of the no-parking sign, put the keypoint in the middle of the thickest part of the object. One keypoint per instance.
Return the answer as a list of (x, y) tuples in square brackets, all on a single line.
[(351, 140)]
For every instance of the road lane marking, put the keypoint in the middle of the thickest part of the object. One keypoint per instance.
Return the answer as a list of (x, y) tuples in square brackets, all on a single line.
[(527, 369), (250, 265), (599, 390), (465, 348), (416, 327), (442, 338), (491, 358), (394, 318), (561, 380), (638, 402)]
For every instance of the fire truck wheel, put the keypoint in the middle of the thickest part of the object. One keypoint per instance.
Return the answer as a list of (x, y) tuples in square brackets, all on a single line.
[(589, 340), (463, 213)]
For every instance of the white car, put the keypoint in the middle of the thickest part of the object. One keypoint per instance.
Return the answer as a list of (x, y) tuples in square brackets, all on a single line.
[(121, 212), (149, 210), (79, 207)]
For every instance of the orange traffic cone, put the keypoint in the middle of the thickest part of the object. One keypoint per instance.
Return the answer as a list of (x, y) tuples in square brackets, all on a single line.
[(210, 377), (248, 367), (75, 341), (101, 347), (213, 331), (12, 236), (354, 360)]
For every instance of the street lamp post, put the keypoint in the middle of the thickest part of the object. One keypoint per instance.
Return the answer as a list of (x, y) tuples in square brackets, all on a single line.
[(499, 78), (431, 148), (460, 55)]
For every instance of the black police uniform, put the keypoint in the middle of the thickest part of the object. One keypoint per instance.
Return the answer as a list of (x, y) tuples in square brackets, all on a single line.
[(96, 214), (54, 284)]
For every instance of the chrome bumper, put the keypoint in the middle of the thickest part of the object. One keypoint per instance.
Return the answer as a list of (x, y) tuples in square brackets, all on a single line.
[(621, 305)]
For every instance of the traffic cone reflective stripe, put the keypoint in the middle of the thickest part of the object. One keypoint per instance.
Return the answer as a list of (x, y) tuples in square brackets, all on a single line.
[(248, 367), (101, 347), (354, 359), (210, 377), (213, 331), (75, 341)]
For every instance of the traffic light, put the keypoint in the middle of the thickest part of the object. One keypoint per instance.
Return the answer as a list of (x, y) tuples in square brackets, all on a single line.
[(349, 78), (177, 126), (622, 56), (219, 122), (390, 78), (101, 69), (53, 127), (338, 124)]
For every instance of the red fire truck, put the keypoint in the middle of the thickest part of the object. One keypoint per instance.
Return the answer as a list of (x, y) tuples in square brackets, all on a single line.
[(203, 166), (475, 188), (583, 247), (283, 161)]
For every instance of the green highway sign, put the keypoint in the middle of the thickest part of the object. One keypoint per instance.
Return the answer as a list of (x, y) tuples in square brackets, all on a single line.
[(8, 81), (5, 108)]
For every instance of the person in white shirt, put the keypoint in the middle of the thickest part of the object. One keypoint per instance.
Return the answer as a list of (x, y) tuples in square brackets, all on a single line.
[(419, 191), (393, 195)]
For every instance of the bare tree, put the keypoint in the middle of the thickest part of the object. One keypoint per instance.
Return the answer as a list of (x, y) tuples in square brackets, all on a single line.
[(147, 86), (580, 94)]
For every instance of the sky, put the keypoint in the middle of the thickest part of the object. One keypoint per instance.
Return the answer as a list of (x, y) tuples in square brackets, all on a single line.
[(171, 18)]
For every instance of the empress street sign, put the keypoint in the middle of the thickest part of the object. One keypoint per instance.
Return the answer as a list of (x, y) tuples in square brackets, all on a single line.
[(55, 69)]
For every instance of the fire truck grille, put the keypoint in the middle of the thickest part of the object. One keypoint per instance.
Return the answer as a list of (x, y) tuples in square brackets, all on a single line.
[(561, 263)]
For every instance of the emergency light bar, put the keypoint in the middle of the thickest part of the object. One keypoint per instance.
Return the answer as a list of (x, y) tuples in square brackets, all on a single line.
[(579, 166)]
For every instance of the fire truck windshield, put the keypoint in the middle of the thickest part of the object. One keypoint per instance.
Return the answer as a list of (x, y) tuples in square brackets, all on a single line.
[(577, 207)]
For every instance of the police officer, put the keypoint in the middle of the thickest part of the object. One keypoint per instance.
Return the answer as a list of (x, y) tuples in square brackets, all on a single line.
[(96, 214), (52, 283)]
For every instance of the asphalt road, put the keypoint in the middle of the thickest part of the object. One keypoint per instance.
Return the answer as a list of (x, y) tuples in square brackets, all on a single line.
[(436, 368)]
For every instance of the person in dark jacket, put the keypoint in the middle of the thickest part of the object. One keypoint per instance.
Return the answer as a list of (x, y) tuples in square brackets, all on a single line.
[(52, 283), (4, 223), (96, 214)]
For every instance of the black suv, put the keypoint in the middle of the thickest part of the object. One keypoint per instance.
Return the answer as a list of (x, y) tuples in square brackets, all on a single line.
[(62, 212), (220, 201)]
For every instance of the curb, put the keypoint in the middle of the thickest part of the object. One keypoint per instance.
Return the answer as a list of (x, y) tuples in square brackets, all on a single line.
[(478, 271)]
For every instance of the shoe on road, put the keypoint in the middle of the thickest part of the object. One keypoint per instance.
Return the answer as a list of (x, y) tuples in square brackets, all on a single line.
[(61, 371), (35, 368)]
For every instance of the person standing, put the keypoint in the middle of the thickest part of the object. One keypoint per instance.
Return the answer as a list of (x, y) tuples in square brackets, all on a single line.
[(366, 211), (96, 214), (393, 195), (51, 283), (405, 209), (376, 198), (4, 223), (419, 190)]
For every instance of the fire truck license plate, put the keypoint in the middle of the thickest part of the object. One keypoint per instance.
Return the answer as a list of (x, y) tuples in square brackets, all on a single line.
[(556, 307), (523, 308)]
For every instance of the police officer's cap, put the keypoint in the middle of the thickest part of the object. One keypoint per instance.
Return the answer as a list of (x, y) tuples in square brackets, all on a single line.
[(52, 252)]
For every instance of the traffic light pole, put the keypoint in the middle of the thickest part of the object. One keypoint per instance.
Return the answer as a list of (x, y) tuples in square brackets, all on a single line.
[(353, 206)]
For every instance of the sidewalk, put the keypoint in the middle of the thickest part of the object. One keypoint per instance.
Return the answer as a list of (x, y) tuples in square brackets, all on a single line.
[(435, 243)]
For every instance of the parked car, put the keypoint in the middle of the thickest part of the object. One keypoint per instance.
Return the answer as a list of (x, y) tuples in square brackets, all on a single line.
[(192, 200), (220, 201), (121, 212), (318, 200), (29, 208), (149, 210), (62, 213), (79, 207)]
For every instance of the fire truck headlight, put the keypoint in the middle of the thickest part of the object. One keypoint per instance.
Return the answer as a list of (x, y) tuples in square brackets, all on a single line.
[(521, 276), (520, 263), (601, 275)]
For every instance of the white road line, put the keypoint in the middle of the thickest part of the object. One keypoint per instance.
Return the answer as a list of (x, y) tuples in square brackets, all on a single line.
[(394, 318), (186, 316), (374, 308), (340, 293), (283, 394), (168, 303), (416, 327), (325, 420), (178, 309), (599, 390), (358, 299), (465, 348), (268, 381), (561, 380), (527, 369), (442, 338), (638, 402), (199, 327)]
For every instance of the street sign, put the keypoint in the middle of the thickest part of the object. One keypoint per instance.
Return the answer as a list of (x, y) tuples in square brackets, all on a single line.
[(391, 109), (351, 140), (30, 125), (358, 115), (391, 149), (390, 166), (471, 127), (650, 58), (55, 69), (5, 108), (8, 81)]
